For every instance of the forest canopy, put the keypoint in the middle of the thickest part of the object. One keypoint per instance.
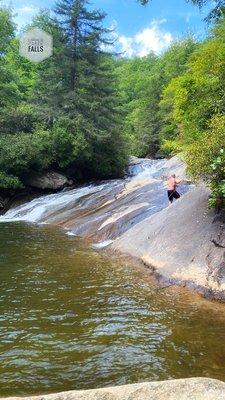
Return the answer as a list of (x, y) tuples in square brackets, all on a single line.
[(84, 111)]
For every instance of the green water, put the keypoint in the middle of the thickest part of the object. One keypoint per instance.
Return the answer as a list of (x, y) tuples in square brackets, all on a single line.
[(71, 319)]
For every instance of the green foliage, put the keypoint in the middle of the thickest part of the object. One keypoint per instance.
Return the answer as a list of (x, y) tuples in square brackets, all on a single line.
[(7, 29), (170, 147), (148, 122), (197, 95), (21, 153), (82, 111), (194, 102), (206, 159), (218, 182), (179, 105), (8, 181), (139, 91), (76, 93), (62, 113)]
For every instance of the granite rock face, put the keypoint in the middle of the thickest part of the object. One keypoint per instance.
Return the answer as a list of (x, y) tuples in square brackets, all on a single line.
[(184, 243), (182, 389)]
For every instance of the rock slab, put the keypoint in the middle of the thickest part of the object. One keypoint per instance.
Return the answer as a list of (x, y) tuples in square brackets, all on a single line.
[(177, 166), (184, 243), (181, 389)]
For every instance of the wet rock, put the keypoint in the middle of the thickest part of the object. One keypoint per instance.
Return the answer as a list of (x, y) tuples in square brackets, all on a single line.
[(47, 181), (105, 211), (181, 389), (183, 243)]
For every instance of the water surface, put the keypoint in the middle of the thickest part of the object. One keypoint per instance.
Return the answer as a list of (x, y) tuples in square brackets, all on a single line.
[(71, 318)]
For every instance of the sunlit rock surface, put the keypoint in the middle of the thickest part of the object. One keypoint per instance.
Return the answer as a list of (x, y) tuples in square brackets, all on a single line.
[(184, 243), (176, 166), (105, 211), (182, 389)]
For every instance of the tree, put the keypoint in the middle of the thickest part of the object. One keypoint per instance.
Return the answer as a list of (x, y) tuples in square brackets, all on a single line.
[(63, 112), (9, 91), (76, 91), (17, 79), (7, 29), (175, 65), (197, 106), (141, 84), (137, 89), (196, 96)]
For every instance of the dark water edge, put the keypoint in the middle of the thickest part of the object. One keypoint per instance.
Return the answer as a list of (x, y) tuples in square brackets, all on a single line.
[(71, 318)]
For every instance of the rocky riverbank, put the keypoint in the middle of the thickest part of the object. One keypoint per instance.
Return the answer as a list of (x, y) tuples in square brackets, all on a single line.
[(184, 244), (180, 389)]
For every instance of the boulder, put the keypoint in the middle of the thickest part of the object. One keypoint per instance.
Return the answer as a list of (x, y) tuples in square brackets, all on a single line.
[(134, 160), (181, 389), (184, 243), (47, 181), (175, 165)]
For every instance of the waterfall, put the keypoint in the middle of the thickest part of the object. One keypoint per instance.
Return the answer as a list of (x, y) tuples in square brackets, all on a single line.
[(100, 211)]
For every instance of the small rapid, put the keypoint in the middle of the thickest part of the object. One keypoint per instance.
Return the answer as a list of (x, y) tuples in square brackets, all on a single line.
[(103, 211), (36, 209)]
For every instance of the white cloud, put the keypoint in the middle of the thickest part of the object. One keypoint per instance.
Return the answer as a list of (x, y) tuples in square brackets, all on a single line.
[(26, 9), (151, 39), (24, 14), (127, 45)]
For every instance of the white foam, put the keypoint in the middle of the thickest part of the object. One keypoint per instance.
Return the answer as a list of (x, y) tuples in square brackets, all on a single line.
[(102, 245), (37, 209), (70, 234), (34, 210)]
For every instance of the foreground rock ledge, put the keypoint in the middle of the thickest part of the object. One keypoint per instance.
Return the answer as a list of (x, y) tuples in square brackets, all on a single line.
[(181, 389)]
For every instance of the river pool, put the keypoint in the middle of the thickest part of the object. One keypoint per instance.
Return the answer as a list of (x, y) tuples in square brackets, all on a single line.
[(71, 318)]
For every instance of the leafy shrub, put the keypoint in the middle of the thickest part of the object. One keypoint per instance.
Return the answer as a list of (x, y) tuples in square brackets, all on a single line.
[(170, 147), (206, 159), (21, 153), (217, 185), (8, 181)]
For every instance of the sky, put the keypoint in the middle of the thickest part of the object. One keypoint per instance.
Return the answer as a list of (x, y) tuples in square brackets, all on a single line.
[(138, 30)]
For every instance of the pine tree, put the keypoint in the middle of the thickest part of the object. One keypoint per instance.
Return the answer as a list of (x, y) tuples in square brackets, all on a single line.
[(77, 89)]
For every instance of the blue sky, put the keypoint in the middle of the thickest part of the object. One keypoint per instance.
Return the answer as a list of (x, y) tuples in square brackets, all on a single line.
[(138, 29)]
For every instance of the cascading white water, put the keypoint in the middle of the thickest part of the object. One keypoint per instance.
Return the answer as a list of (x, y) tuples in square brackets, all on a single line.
[(41, 207), (34, 210)]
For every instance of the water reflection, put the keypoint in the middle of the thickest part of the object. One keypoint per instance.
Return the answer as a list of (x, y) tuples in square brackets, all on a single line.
[(70, 319)]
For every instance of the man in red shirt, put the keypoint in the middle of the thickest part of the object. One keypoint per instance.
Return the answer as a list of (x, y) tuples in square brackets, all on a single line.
[(172, 184)]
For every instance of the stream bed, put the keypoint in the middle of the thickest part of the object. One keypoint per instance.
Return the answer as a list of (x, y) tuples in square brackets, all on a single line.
[(71, 318)]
